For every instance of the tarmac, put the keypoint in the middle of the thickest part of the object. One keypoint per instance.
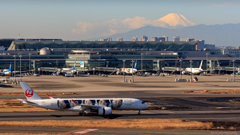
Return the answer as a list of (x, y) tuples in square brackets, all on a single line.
[(204, 116), (86, 83), (97, 131), (155, 90)]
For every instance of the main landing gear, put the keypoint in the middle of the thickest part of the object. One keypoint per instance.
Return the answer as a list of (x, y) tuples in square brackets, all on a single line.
[(83, 113)]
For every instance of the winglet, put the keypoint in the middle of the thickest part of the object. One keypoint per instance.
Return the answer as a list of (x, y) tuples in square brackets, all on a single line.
[(50, 96), (75, 102)]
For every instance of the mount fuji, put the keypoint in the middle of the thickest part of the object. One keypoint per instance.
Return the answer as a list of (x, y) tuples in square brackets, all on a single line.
[(177, 24)]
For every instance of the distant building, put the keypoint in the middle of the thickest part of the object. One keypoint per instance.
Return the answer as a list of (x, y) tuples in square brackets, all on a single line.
[(187, 39), (120, 39), (103, 39), (134, 39), (2, 48), (158, 39), (237, 47), (176, 38), (200, 45), (107, 39), (144, 38), (209, 46), (6, 42), (38, 39), (166, 38)]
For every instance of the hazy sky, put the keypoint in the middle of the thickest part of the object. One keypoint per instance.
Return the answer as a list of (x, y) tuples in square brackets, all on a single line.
[(84, 19)]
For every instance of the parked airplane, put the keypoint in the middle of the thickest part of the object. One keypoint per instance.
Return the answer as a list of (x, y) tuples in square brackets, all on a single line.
[(69, 70), (8, 72), (193, 70), (85, 106), (130, 70)]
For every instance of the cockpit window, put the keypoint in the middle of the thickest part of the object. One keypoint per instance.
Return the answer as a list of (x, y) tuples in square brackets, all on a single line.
[(143, 103)]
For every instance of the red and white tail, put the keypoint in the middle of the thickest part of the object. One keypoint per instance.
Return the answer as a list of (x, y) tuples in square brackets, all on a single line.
[(29, 92), (200, 67)]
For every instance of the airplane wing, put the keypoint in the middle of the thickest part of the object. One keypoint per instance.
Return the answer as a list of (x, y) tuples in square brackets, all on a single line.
[(11, 78), (7, 79), (29, 102), (91, 106)]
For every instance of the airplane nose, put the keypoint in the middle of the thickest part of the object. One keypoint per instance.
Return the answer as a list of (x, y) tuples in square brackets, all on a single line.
[(145, 106)]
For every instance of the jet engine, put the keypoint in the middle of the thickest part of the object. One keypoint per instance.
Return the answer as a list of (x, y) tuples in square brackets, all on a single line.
[(104, 111)]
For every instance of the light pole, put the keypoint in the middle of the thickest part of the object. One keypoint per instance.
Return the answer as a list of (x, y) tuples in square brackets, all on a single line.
[(14, 68), (124, 70), (180, 69), (141, 62), (29, 63), (132, 73), (191, 68), (20, 56), (233, 71), (207, 61)]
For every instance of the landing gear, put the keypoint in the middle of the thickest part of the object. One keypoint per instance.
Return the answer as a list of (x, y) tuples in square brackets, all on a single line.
[(83, 114), (139, 112)]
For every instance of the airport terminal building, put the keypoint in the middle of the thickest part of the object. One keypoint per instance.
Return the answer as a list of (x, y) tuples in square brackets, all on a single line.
[(151, 55)]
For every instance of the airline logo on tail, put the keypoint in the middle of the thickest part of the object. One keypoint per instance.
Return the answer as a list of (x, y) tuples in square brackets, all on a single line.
[(29, 93)]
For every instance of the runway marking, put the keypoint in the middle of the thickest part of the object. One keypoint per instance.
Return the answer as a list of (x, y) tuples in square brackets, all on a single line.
[(85, 131)]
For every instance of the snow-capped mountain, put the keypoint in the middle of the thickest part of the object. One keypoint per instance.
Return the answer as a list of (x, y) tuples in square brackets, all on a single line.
[(175, 20)]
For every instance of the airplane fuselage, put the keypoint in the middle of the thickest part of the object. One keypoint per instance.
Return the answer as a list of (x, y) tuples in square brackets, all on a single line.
[(7, 72), (72, 71), (128, 70), (68, 104), (193, 70)]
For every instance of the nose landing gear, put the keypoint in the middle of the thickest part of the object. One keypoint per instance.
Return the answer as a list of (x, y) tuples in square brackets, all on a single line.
[(139, 112)]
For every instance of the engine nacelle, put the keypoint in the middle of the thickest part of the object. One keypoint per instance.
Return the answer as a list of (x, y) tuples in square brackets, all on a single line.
[(104, 111)]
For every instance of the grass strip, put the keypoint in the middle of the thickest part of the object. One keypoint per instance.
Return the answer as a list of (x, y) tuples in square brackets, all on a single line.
[(136, 124), (215, 92), (25, 133), (34, 109)]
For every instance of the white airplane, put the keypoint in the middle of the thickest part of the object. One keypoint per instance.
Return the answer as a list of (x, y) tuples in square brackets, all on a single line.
[(85, 106), (9, 71), (193, 70), (69, 70), (130, 70)]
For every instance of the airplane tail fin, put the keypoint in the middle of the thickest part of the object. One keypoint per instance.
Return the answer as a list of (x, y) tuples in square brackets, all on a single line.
[(218, 65), (135, 67), (74, 65), (29, 92), (200, 67)]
